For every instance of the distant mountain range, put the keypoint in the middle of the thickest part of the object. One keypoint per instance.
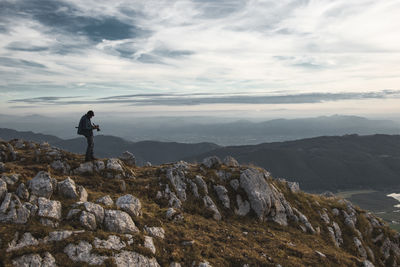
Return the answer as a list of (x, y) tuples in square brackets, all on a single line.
[(221, 131), (321, 163)]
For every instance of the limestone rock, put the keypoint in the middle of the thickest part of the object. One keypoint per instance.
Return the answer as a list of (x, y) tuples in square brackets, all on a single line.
[(29, 260), (170, 213), (88, 220), (234, 184), (128, 158), (86, 167), (361, 250), (303, 219), (113, 242), (106, 200), (6, 203), (3, 189), (12, 152), (26, 240), (230, 162), (212, 162), (293, 187), (82, 252), (222, 194), (49, 208), (48, 260), (60, 166), (210, 205), (67, 188), (82, 193), (59, 235), (49, 222), (367, 263), (177, 178), (130, 204), (132, 259), (99, 165), (325, 217), (42, 185), (148, 243), (243, 206), (266, 201), (195, 189), (22, 192), (95, 209), (155, 231), (114, 164), (201, 183), (119, 222), (10, 179)]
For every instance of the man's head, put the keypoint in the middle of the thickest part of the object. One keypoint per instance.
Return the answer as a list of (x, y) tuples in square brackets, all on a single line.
[(90, 113)]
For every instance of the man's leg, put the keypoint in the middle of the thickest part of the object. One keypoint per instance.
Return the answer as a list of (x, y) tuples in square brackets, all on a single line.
[(89, 150)]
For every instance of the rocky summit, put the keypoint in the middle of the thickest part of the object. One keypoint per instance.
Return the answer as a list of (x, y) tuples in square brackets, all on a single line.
[(56, 210)]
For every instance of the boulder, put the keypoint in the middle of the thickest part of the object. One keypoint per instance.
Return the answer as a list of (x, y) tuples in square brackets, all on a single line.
[(303, 219), (28, 260), (10, 179), (106, 201), (26, 240), (243, 206), (67, 188), (128, 158), (82, 193), (177, 178), (86, 167), (201, 183), (210, 205), (119, 222), (212, 162), (42, 185), (195, 189), (59, 235), (361, 250), (148, 243), (88, 220), (82, 253), (22, 192), (266, 201), (324, 216), (99, 165), (131, 258), (12, 152), (222, 194), (3, 189), (293, 187), (114, 164), (130, 204), (230, 162), (170, 213), (48, 260), (155, 231), (113, 242), (60, 166), (96, 210), (49, 208)]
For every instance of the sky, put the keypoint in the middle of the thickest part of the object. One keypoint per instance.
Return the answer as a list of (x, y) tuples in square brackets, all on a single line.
[(232, 58)]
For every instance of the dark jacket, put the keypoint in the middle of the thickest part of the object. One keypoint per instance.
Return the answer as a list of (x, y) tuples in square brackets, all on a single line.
[(86, 126)]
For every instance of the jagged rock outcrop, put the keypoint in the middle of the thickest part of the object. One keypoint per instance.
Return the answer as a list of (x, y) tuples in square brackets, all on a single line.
[(82, 253), (212, 162), (128, 158), (230, 161), (130, 258), (106, 201)]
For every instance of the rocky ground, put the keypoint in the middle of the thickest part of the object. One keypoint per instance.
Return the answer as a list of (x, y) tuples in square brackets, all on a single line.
[(57, 211)]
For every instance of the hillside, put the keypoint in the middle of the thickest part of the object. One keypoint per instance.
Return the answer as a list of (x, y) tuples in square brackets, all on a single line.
[(327, 162), (57, 211)]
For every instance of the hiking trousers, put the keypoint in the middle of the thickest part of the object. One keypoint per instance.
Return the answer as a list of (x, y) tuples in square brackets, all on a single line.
[(89, 149)]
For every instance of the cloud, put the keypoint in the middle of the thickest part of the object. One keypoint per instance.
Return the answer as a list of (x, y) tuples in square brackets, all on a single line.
[(16, 63), (202, 98)]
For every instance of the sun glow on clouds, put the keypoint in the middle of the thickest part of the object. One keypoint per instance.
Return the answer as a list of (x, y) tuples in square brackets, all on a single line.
[(96, 49)]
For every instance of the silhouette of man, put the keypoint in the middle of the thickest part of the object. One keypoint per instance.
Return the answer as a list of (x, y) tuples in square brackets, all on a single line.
[(86, 128)]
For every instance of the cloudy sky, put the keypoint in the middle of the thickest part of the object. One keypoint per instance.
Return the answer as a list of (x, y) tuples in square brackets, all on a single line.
[(200, 57)]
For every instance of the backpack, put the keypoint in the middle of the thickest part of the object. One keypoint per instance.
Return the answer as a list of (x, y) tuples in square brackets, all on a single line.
[(81, 126)]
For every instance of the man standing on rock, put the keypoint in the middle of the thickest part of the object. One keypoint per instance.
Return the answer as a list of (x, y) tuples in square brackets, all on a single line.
[(86, 128)]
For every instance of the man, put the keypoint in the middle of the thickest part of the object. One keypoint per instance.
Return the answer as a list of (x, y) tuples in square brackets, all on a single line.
[(86, 128)]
